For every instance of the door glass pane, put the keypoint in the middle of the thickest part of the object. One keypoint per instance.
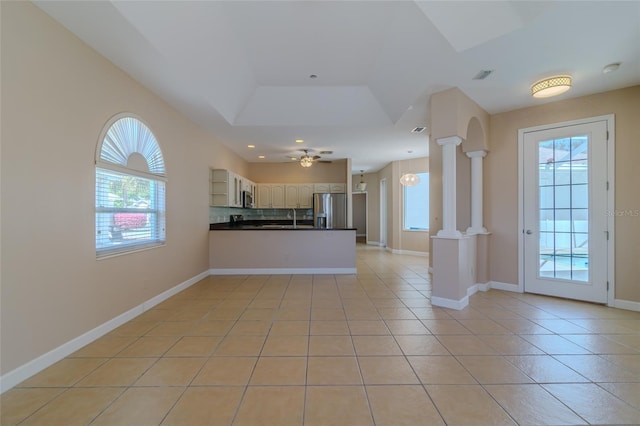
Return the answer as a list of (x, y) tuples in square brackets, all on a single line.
[(563, 208)]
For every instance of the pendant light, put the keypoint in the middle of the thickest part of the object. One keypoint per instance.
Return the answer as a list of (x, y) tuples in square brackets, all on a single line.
[(362, 185), (409, 179)]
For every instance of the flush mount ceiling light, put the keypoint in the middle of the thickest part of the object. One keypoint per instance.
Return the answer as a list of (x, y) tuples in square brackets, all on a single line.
[(551, 86), (409, 179)]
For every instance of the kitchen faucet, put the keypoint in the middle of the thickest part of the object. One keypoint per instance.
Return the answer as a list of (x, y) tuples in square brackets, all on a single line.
[(294, 218)]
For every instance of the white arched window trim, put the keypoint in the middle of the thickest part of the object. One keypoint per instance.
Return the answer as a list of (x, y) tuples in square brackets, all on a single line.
[(130, 188)]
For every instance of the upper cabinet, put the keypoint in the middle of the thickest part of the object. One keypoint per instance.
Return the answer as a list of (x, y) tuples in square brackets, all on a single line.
[(330, 187), (225, 188), (271, 195), (299, 196)]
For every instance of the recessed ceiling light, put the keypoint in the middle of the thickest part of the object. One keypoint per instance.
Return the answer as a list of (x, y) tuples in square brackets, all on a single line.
[(260, 156), (611, 68), (299, 140), (294, 159), (251, 146)]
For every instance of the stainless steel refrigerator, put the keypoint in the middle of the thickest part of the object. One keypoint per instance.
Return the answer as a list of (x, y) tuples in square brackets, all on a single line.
[(330, 210)]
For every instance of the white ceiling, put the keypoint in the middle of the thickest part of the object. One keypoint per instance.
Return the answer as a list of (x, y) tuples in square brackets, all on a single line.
[(241, 69)]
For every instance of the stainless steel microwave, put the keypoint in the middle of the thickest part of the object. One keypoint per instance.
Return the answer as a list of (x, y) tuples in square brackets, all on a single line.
[(247, 200)]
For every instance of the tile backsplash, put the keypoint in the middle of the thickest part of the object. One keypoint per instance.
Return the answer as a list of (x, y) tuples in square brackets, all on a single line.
[(221, 214)]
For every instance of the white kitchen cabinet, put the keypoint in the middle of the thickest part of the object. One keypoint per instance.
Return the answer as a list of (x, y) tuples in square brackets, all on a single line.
[(330, 187), (299, 196), (271, 195), (305, 196), (235, 190), (225, 188), (219, 188), (338, 188), (321, 188)]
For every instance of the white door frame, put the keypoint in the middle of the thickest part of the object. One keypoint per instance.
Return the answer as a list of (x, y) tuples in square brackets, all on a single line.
[(383, 212), (610, 119)]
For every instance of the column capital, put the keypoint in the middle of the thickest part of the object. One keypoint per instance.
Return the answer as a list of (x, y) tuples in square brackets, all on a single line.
[(450, 140), (477, 154)]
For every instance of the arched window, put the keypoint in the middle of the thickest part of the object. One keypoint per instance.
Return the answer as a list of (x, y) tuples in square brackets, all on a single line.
[(130, 188)]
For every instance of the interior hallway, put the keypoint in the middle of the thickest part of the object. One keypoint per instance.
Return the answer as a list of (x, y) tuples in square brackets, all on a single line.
[(346, 349)]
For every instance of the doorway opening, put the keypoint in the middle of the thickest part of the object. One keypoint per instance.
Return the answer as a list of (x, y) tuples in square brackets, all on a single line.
[(360, 222), (383, 213)]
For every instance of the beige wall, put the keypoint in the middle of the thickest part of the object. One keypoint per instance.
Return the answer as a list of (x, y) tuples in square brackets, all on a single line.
[(293, 172), (57, 94), (397, 239), (452, 113), (501, 179)]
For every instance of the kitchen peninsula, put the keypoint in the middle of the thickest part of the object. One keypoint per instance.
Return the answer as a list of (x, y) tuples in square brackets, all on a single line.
[(279, 248)]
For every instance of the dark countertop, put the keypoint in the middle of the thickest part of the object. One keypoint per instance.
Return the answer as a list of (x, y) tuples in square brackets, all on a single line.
[(271, 225)]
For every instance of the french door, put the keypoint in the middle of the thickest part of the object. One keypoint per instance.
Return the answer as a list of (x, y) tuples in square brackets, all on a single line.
[(565, 211)]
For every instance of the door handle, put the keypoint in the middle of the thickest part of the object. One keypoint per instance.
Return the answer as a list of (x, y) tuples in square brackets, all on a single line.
[(529, 232)]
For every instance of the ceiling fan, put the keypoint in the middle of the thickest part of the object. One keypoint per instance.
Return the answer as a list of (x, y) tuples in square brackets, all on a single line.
[(307, 160)]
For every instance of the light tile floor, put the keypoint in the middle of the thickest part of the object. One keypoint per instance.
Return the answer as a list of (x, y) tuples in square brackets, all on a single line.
[(346, 350)]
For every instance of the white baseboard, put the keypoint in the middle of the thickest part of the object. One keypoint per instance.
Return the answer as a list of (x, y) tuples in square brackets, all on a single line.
[(626, 304), (450, 303), (20, 374), (484, 286), (504, 286), (280, 271), (374, 243), (413, 253)]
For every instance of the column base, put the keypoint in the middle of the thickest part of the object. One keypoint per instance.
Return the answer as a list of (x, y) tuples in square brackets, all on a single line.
[(455, 234), (454, 264), (473, 231)]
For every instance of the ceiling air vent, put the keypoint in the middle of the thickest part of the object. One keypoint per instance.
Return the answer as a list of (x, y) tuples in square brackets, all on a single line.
[(418, 130), (326, 152), (482, 74)]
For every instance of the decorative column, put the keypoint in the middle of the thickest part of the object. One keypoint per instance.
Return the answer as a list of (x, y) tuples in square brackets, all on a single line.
[(449, 226), (477, 226)]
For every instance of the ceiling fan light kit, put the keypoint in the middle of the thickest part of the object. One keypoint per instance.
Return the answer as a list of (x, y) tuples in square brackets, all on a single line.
[(306, 160)]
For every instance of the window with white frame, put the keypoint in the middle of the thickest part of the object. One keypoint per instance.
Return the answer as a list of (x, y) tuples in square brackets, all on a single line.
[(416, 205), (130, 188)]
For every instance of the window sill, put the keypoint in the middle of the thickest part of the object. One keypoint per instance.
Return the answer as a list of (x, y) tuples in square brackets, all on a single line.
[(134, 249)]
